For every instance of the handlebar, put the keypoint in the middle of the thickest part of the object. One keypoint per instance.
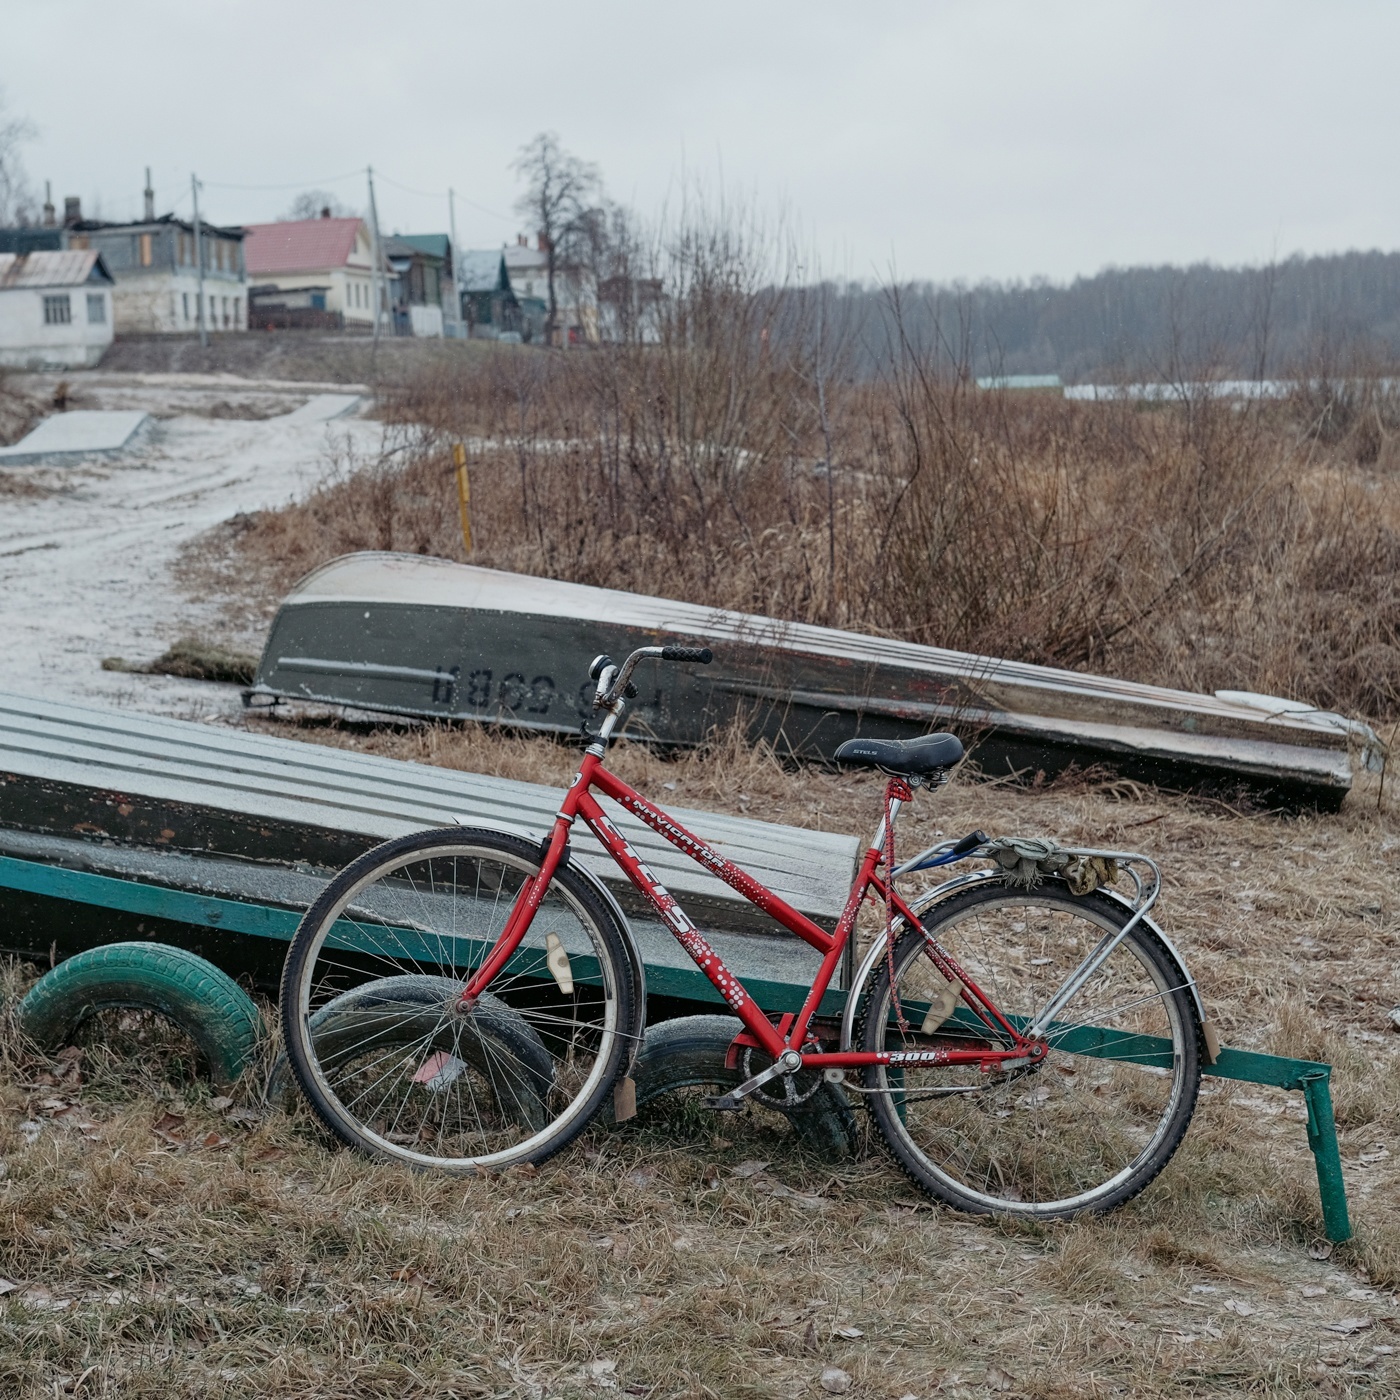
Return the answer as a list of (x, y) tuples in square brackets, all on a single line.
[(615, 682)]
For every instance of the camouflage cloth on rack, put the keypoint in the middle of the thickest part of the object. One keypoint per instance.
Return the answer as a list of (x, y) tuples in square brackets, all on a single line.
[(1027, 860)]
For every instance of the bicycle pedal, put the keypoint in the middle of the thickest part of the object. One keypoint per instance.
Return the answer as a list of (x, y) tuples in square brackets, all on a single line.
[(724, 1103)]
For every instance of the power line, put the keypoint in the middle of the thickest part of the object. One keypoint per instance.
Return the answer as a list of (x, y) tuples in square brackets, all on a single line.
[(295, 185), (355, 175), (442, 194)]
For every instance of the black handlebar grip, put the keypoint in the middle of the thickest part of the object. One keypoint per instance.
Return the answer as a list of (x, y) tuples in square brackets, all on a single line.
[(701, 654), (969, 843)]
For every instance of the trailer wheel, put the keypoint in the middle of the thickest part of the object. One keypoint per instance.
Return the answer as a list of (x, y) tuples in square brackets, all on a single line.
[(208, 1006)]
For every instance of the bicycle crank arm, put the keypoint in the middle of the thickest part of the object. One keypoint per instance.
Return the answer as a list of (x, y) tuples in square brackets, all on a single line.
[(786, 1063)]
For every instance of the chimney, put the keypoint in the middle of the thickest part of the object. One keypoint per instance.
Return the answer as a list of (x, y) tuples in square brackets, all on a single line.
[(150, 198), (521, 241), (49, 220), (542, 241), (325, 211), (72, 210)]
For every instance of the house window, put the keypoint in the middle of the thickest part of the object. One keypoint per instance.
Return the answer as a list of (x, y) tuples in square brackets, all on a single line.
[(145, 250), (185, 303), (78, 240), (58, 310), (97, 309), (225, 300)]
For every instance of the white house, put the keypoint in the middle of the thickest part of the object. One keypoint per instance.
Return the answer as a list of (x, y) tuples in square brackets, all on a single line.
[(575, 296), (329, 260), (55, 309)]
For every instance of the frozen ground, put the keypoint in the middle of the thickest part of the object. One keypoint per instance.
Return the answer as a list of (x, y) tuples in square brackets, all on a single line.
[(86, 554)]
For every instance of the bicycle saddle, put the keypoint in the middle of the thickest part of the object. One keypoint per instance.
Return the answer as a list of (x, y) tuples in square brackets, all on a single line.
[(912, 757)]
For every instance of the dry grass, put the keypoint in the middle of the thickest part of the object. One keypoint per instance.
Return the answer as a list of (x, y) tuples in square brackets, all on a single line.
[(236, 1258), (1206, 545)]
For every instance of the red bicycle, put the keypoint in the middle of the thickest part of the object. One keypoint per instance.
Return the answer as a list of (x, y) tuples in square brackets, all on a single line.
[(466, 1000)]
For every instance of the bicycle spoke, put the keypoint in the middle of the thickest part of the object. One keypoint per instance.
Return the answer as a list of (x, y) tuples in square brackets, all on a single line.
[(1057, 1135), (410, 1068)]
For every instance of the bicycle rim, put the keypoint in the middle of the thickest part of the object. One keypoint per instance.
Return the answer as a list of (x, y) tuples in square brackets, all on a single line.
[(1084, 1129), (391, 1057)]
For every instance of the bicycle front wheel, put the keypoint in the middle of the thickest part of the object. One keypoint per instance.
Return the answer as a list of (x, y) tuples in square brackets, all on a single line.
[(377, 1034), (1084, 1129)]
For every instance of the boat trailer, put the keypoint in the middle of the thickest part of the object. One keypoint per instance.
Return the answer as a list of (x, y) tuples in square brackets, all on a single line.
[(116, 826)]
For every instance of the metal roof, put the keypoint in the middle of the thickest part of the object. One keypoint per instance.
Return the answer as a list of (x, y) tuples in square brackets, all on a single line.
[(300, 245), (436, 245), (69, 268), (165, 221), (406, 249), (522, 256), (483, 270)]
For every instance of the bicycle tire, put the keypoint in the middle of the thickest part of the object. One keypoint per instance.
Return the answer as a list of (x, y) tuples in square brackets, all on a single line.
[(1082, 1131), (689, 1053), (371, 986), (189, 991)]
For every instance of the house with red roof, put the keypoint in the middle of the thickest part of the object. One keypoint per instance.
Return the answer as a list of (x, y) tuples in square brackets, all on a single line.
[(325, 265)]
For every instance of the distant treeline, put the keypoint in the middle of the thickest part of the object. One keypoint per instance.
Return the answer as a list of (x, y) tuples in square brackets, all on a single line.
[(1304, 314)]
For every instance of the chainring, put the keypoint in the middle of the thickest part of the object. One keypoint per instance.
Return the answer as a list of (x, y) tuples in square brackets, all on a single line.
[(794, 1094)]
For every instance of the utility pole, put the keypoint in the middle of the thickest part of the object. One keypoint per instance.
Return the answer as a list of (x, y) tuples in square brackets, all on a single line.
[(456, 285), (378, 280), (198, 261)]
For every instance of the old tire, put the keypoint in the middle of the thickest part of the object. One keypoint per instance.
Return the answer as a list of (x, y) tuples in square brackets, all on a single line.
[(689, 1053), (207, 1005)]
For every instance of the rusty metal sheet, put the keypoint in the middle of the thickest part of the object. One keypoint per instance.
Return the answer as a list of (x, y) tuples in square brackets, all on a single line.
[(409, 635)]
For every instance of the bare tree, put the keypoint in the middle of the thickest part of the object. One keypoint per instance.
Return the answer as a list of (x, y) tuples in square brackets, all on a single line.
[(558, 195), (16, 199), (313, 204)]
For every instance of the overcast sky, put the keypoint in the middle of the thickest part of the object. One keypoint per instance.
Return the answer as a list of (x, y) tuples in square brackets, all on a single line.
[(960, 140)]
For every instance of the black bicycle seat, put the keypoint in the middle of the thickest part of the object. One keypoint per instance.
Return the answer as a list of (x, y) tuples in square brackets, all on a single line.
[(911, 757)]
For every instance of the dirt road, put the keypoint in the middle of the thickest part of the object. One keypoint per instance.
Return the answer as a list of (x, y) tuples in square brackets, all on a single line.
[(86, 551)]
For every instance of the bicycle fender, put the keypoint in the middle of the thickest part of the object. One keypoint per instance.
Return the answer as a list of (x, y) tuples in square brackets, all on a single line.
[(1186, 978), (876, 951), (639, 970)]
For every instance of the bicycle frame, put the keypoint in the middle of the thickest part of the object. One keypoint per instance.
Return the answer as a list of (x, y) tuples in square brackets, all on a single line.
[(792, 1031)]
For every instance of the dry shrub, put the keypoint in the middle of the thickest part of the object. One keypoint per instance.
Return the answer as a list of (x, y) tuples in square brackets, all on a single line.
[(735, 461), (19, 411)]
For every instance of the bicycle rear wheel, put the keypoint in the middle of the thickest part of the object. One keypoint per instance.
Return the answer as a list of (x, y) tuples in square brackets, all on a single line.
[(1084, 1129), (380, 1041)]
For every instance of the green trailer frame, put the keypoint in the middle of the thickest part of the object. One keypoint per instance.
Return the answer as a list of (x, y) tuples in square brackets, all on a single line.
[(220, 927)]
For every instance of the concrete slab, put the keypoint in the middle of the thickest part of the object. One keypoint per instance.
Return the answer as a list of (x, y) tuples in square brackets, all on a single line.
[(70, 436), (323, 408)]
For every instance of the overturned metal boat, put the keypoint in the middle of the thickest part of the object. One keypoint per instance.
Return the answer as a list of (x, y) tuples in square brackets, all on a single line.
[(116, 825), (408, 635)]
